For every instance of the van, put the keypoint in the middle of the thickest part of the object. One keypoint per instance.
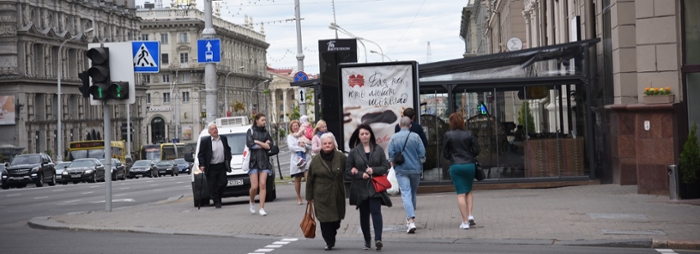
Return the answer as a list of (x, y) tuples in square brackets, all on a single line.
[(234, 129)]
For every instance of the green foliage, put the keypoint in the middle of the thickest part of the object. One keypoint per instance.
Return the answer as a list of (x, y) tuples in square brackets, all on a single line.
[(2, 158), (524, 113), (690, 157), (295, 115), (283, 133), (238, 106), (49, 153)]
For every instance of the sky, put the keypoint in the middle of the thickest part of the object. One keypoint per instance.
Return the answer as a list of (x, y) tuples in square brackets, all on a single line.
[(402, 28)]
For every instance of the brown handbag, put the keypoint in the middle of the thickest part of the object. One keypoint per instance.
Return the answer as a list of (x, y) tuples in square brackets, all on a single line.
[(308, 224)]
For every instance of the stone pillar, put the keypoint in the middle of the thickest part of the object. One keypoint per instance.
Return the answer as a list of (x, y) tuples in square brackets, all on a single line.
[(285, 106)]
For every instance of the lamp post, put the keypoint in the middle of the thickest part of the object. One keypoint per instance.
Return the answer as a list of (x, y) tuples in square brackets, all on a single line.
[(59, 128), (336, 27), (380, 53), (226, 90), (251, 94)]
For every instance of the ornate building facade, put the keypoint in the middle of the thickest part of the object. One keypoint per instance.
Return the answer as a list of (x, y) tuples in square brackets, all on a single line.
[(31, 37), (175, 97)]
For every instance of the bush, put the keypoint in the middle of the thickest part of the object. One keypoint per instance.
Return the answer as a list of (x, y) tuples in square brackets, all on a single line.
[(690, 157)]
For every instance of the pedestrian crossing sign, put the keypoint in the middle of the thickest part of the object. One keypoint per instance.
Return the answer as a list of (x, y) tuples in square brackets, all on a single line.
[(146, 56)]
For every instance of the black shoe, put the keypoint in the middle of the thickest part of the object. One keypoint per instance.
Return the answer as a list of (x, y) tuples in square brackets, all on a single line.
[(218, 205), (328, 248), (379, 244)]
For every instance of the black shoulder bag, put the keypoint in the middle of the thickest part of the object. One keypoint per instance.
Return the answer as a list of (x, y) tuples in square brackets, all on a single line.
[(398, 157)]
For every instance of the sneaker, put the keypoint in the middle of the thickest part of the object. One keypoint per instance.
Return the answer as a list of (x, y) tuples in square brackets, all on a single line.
[(252, 208), (262, 212), (379, 244), (411, 227), (301, 162), (464, 225), (366, 247), (471, 221)]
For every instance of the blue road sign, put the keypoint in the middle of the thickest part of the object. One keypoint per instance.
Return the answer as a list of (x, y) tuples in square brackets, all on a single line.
[(209, 50), (146, 56), (300, 76)]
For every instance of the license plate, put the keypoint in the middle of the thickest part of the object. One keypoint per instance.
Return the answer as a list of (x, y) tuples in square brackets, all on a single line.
[(58, 177), (16, 178), (75, 176), (162, 171), (238, 182)]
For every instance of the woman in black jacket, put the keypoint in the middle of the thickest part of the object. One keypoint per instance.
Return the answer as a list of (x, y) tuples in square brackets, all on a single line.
[(259, 142), (367, 159), (461, 148)]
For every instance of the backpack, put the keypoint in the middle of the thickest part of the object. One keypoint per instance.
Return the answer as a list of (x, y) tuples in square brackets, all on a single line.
[(309, 132)]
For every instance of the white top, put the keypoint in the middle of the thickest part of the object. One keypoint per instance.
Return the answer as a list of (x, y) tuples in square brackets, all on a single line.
[(293, 145), (217, 151)]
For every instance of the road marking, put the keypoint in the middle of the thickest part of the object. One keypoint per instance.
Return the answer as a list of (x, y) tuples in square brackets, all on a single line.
[(273, 246), (125, 188), (666, 251), (45, 197), (85, 193), (129, 200), (117, 195), (59, 190), (150, 181), (264, 250), (179, 182), (14, 195), (280, 242), (158, 190), (69, 202), (94, 187)]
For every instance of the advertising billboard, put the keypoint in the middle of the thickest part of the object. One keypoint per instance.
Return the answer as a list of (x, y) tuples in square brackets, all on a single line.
[(7, 109)]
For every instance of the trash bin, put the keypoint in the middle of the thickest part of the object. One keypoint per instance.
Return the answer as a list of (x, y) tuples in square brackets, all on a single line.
[(673, 182)]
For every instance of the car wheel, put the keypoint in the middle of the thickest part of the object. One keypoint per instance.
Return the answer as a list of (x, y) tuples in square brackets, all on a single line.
[(40, 183), (94, 178), (53, 180), (64, 183), (5, 186), (172, 173), (75, 182), (114, 177), (21, 185)]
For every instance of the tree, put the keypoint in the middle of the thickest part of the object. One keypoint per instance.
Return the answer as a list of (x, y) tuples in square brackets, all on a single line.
[(525, 118), (690, 157), (238, 106)]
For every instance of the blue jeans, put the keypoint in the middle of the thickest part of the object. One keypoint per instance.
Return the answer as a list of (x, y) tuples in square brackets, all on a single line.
[(408, 184)]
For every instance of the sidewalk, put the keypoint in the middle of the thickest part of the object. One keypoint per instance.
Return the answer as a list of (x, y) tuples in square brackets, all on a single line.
[(596, 215)]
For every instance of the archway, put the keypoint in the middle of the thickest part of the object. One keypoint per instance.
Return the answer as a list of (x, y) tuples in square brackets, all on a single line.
[(158, 130)]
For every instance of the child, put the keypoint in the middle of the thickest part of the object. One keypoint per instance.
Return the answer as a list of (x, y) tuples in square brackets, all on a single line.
[(304, 138)]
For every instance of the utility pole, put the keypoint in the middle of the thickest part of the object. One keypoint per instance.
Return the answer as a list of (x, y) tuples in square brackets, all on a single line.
[(300, 53), (209, 68)]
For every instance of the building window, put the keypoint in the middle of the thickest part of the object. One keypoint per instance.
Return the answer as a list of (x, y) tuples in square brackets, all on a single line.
[(144, 37), (164, 38), (185, 77), (183, 38), (146, 78), (281, 97), (164, 58), (184, 57), (185, 96), (166, 78), (166, 97), (292, 96), (148, 98), (281, 107)]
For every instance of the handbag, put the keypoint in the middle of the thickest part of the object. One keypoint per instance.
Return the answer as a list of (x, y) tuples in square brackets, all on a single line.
[(245, 165), (394, 183), (308, 224), (398, 157), (381, 183), (274, 150), (479, 175)]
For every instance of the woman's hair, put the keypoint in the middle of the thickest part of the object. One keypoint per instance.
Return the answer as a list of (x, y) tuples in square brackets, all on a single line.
[(292, 124), (318, 125), (457, 121), (331, 136), (355, 137), (257, 117)]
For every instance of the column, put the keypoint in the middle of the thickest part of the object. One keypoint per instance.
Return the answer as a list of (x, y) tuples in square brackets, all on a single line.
[(285, 105)]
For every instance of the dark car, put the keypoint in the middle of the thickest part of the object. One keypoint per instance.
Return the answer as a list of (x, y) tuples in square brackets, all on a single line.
[(60, 167), (118, 169), (143, 168), (183, 166), (2, 170), (89, 170), (29, 168), (167, 167)]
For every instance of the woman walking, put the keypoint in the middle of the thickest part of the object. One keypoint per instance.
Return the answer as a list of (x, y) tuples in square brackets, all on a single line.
[(461, 148), (365, 160), (296, 172), (259, 142), (325, 188), (321, 128)]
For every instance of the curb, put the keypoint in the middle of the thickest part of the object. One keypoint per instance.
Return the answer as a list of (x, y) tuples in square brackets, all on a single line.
[(671, 244)]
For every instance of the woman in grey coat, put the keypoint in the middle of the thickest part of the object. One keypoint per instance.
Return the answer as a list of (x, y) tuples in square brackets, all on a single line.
[(325, 188), (367, 159)]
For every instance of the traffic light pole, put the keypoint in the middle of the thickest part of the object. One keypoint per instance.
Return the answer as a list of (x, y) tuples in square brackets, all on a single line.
[(209, 68), (300, 52), (128, 131), (108, 154)]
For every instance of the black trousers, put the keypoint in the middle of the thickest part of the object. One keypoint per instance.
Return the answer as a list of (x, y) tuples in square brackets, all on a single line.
[(328, 231), (216, 181), (371, 206)]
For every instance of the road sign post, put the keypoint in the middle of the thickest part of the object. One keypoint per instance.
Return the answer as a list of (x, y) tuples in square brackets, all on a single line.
[(209, 50), (146, 56)]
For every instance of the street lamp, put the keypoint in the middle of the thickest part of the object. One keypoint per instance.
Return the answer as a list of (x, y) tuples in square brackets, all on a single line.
[(251, 94), (336, 27), (59, 153), (226, 89), (380, 53)]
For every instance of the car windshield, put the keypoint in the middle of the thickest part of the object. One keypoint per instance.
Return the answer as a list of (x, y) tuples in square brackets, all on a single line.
[(62, 165), (142, 163), (82, 163), (236, 142), (180, 161), (26, 160), (163, 163), (114, 162)]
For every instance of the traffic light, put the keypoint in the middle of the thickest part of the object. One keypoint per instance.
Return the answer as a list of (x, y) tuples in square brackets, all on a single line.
[(99, 72), (119, 90), (84, 88)]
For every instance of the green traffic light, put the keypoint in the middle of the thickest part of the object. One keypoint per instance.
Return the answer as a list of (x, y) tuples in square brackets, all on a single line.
[(99, 92), (119, 92)]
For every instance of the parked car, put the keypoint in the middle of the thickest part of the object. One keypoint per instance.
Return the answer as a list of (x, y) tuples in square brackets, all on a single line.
[(60, 167), (2, 171), (143, 168), (183, 166), (118, 169), (88, 170), (35, 168), (167, 167)]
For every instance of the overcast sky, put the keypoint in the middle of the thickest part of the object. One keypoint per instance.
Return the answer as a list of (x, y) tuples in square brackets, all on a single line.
[(402, 28)]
